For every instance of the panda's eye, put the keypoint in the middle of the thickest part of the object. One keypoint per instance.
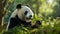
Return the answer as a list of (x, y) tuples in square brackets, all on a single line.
[(26, 12)]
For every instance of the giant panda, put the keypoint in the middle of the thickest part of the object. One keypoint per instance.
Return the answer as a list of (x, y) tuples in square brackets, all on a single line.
[(21, 15)]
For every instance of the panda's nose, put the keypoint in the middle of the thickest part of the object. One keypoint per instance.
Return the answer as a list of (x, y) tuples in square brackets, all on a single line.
[(30, 16)]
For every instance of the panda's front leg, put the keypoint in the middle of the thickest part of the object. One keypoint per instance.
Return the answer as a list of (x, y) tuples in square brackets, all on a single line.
[(13, 22), (36, 25)]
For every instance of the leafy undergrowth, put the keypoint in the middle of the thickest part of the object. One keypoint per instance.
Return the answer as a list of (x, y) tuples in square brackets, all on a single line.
[(48, 26), (18, 30)]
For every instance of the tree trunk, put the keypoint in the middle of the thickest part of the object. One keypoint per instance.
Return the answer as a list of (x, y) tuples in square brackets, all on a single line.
[(2, 4)]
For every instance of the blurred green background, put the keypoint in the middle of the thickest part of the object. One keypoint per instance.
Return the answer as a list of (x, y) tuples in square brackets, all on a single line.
[(47, 11)]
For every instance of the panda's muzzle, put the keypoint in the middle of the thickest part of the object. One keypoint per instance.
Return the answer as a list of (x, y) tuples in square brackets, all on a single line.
[(28, 18)]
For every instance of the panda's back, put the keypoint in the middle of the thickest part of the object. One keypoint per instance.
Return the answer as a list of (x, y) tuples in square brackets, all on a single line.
[(14, 13)]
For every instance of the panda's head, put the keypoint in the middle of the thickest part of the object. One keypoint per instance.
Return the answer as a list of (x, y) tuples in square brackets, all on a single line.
[(24, 12)]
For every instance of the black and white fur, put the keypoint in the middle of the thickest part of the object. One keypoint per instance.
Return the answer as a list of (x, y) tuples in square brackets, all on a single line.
[(22, 15)]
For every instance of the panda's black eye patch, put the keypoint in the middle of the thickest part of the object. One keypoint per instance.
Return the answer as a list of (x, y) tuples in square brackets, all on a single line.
[(26, 12)]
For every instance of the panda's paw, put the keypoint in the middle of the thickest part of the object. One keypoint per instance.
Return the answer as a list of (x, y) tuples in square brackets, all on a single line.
[(36, 25), (38, 22)]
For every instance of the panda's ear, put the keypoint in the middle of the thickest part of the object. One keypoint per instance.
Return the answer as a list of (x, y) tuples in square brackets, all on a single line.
[(18, 6), (28, 5)]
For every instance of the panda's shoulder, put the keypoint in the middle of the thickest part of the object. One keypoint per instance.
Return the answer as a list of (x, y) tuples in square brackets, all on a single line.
[(12, 18), (13, 21)]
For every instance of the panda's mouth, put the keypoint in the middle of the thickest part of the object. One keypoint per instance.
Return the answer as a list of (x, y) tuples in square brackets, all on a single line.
[(28, 18)]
